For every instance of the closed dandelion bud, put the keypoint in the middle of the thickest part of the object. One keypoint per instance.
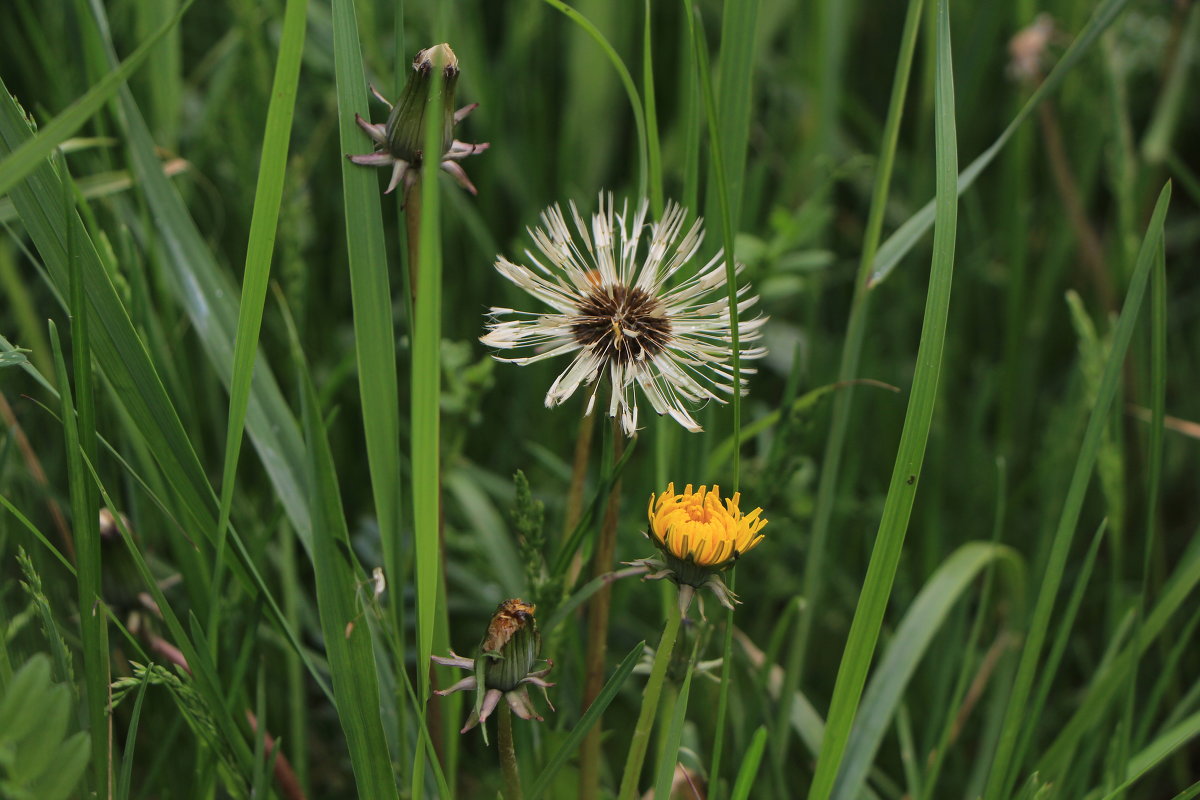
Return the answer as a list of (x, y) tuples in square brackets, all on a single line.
[(511, 646), (405, 130), (400, 142), (506, 665)]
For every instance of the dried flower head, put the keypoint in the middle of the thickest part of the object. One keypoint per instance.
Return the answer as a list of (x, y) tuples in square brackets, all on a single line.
[(508, 654), (400, 143), (1027, 49), (614, 308), (699, 535)]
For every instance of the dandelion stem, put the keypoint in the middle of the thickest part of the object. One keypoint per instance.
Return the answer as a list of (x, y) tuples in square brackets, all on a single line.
[(597, 640), (508, 756), (412, 219), (714, 773), (645, 722), (583, 449)]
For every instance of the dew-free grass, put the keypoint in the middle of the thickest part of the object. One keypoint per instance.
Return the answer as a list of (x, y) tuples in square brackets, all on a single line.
[(978, 582)]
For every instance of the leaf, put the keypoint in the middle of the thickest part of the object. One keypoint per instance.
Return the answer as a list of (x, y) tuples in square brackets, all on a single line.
[(28, 157), (571, 744), (889, 541)]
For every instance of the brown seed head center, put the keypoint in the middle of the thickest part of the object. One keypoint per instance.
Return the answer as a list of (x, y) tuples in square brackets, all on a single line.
[(622, 324)]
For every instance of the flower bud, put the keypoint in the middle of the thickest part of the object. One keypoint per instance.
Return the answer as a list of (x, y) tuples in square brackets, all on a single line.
[(511, 646), (400, 142), (405, 129)]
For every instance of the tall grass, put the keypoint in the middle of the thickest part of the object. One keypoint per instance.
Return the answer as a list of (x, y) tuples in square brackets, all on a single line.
[(922, 619)]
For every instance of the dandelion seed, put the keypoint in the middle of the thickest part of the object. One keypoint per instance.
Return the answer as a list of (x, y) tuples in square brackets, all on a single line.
[(614, 309)]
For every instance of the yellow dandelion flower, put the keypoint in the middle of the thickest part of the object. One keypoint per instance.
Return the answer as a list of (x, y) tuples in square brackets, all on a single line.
[(698, 526), (700, 534)]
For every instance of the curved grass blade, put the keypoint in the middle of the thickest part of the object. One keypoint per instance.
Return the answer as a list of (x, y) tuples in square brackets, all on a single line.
[(635, 102), (921, 622), (889, 541), (571, 744), (749, 768), (1154, 753)]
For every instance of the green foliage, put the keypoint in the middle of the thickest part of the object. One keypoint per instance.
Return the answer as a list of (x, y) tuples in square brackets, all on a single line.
[(39, 760), (981, 569)]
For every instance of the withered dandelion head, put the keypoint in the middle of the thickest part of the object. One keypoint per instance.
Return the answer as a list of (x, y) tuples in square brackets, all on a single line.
[(508, 654), (700, 534), (400, 142), (616, 308)]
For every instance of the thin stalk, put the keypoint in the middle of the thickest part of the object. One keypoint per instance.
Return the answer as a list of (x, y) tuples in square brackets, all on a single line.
[(1091, 249), (412, 224), (508, 756), (645, 722), (583, 451), (714, 773), (725, 203), (597, 638)]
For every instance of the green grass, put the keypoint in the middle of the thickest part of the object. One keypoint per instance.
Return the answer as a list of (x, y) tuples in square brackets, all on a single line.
[(981, 583)]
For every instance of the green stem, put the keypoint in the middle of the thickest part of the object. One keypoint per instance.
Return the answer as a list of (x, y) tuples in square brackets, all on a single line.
[(714, 773), (645, 722), (508, 756)]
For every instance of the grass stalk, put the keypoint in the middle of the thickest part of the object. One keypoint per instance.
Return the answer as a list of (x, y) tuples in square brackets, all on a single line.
[(650, 696), (889, 541)]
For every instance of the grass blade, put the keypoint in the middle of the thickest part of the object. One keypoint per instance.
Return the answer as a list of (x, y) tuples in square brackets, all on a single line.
[(571, 744), (1003, 770), (908, 234), (371, 292), (80, 434), (426, 383), (349, 649), (26, 158), (639, 118), (749, 768), (923, 619), (856, 329), (889, 541), (212, 304), (735, 95), (670, 751), (259, 250)]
